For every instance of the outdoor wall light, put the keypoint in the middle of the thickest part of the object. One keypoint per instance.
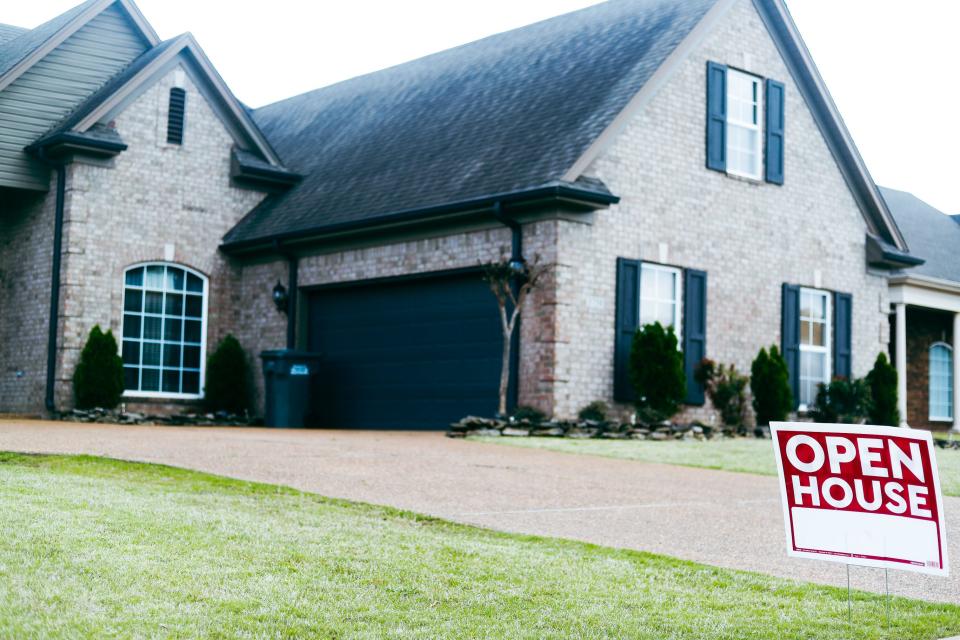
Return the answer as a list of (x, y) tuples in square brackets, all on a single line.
[(518, 266), (280, 298)]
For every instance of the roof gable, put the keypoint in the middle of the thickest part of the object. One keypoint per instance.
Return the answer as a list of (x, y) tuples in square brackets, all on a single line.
[(504, 114), (21, 53), (98, 43), (787, 37), (101, 107)]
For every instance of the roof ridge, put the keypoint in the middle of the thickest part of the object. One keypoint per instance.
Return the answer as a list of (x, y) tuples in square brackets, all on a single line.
[(564, 17)]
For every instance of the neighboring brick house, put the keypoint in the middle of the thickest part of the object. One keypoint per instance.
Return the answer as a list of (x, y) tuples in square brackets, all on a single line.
[(677, 160), (926, 322)]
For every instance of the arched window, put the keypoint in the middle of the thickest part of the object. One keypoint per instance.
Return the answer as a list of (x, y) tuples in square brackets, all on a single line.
[(164, 331), (941, 382)]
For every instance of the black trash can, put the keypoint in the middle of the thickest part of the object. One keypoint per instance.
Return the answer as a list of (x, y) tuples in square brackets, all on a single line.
[(289, 377)]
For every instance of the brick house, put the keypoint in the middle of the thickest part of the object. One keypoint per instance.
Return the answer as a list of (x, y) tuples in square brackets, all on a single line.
[(677, 160), (926, 322)]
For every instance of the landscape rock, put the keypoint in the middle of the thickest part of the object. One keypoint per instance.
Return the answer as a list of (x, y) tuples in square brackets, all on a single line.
[(488, 433), (515, 432), (552, 432)]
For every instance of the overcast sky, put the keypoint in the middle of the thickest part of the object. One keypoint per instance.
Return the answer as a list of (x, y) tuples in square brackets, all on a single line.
[(890, 64)]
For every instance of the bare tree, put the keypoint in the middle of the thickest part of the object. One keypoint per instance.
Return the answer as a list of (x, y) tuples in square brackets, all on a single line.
[(511, 283)]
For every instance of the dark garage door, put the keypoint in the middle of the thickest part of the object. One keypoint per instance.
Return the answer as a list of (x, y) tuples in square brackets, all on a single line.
[(408, 354)]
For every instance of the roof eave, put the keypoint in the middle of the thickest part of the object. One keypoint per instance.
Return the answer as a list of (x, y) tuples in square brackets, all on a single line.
[(925, 282), (68, 142), (557, 192), (884, 256), (186, 43)]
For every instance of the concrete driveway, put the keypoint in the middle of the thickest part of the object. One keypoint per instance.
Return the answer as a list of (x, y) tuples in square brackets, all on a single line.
[(720, 518)]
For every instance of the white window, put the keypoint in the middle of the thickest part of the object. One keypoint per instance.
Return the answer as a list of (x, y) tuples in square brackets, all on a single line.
[(744, 125), (941, 382), (660, 296), (164, 331), (815, 331)]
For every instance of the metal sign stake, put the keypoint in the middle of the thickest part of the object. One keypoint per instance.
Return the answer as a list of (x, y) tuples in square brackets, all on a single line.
[(886, 587), (849, 610)]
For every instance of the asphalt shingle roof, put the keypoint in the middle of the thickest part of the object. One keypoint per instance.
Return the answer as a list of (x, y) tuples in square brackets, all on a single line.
[(930, 234), (507, 113), (8, 32), (14, 50)]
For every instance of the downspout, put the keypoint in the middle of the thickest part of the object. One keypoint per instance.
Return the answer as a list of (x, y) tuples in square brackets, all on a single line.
[(516, 229), (53, 327), (516, 256)]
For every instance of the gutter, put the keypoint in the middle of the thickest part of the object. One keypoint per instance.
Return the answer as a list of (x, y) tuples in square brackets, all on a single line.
[(558, 191)]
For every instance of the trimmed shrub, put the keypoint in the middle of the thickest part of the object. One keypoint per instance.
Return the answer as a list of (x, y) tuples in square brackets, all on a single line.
[(228, 378), (727, 389), (882, 382), (844, 401), (656, 370), (98, 378), (596, 411), (529, 414), (770, 384)]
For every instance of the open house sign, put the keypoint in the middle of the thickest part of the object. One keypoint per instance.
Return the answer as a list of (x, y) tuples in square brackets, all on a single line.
[(861, 495)]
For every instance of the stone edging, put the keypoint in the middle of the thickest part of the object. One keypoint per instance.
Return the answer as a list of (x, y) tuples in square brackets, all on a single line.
[(114, 416), (586, 429)]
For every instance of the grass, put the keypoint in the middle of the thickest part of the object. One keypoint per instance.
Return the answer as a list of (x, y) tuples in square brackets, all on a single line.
[(98, 548), (746, 455)]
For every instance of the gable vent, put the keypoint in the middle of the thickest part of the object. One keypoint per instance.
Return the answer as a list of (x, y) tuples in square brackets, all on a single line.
[(175, 114)]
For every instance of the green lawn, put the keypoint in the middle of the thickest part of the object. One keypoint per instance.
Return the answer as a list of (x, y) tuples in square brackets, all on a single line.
[(99, 548), (748, 455)]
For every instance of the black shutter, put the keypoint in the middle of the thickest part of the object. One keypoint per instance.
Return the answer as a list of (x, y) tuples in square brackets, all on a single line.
[(842, 336), (175, 115), (790, 337), (694, 329), (774, 131), (716, 116), (628, 319)]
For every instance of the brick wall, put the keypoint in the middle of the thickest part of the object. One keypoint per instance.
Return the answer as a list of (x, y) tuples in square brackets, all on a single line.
[(749, 237), (155, 199), (261, 327), (26, 240)]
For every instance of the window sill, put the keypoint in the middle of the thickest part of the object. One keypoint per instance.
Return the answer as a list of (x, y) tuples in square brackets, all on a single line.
[(161, 398), (939, 419), (745, 178)]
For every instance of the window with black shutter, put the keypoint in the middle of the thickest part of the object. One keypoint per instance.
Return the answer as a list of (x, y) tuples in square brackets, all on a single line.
[(175, 115)]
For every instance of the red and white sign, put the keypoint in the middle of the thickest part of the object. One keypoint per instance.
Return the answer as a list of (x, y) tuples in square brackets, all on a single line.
[(861, 495)]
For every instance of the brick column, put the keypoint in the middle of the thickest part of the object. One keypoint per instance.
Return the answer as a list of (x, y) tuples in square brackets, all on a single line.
[(956, 371), (901, 346)]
